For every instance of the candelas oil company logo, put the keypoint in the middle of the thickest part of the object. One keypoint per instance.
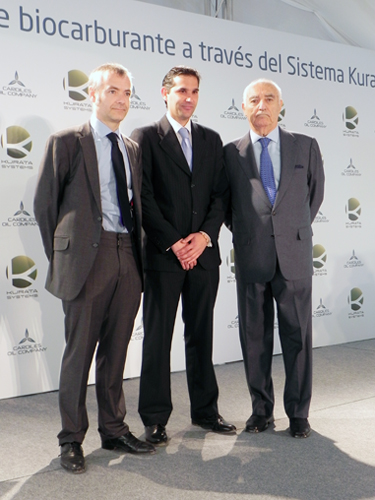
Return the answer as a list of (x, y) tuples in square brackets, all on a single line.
[(281, 118), (355, 301), (17, 143), (16, 88), (351, 170), (20, 218), (321, 310), (234, 323), (314, 121), (136, 102), (233, 113), (353, 261), (27, 345), (21, 273), (353, 212), (351, 119), (138, 332), (76, 85), (319, 260), (231, 277), (320, 218)]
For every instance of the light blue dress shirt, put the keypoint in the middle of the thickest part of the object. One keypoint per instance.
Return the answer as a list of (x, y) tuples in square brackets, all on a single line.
[(273, 149), (108, 193)]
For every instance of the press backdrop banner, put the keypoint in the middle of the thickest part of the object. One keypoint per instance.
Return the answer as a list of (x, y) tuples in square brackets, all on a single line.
[(48, 51)]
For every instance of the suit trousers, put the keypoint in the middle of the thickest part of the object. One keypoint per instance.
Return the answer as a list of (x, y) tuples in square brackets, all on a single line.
[(198, 289), (102, 315), (256, 325)]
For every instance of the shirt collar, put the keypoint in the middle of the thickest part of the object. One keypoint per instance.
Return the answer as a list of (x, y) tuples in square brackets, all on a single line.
[(274, 135), (175, 125), (100, 128)]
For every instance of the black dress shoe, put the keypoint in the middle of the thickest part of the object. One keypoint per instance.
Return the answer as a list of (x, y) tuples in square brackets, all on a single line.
[(156, 434), (71, 458), (217, 425), (299, 427), (258, 423), (127, 443)]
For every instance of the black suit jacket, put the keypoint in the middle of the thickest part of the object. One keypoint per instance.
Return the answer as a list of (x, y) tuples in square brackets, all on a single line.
[(175, 201), (67, 207), (264, 235)]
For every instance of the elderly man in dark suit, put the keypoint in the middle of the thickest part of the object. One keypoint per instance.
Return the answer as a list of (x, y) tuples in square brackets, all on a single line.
[(88, 208), (183, 208), (276, 180)]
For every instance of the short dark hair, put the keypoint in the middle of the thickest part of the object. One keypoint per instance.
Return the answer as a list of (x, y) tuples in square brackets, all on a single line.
[(168, 80)]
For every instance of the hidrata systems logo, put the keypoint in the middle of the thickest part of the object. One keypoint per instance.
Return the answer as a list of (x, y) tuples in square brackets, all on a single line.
[(21, 273), (136, 102), (231, 278), (315, 121), (17, 143), (27, 345), (16, 88), (353, 261), (353, 211), (76, 85), (20, 218), (355, 301), (350, 119), (319, 260), (351, 170), (233, 113)]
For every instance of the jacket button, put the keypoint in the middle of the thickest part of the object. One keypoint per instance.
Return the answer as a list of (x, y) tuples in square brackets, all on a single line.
[(273, 213), (193, 185), (95, 245), (194, 213), (99, 219)]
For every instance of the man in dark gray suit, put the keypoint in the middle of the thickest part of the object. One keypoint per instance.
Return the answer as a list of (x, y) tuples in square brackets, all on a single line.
[(92, 239), (183, 208), (277, 181)]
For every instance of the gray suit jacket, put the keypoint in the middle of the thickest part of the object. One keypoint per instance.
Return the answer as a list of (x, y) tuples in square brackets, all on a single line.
[(262, 234), (67, 207)]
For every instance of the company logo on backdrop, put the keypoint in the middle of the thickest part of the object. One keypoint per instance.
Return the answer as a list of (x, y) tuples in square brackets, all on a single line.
[(27, 345), (136, 102), (355, 301), (315, 121), (16, 88), (281, 117), (321, 310), (138, 332), (233, 113), (350, 119), (353, 261), (20, 218), (21, 273), (17, 143), (76, 85), (353, 211), (351, 170), (320, 217), (319, 260), (231, 278), (234, 323)]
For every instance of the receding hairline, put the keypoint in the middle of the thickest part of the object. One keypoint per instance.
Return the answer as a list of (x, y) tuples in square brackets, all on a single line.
[(97, 75), (260, 81)]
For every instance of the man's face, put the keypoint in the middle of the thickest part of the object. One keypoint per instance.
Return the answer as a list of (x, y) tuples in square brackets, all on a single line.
[(262, 107), (111, 99), (182, 99)]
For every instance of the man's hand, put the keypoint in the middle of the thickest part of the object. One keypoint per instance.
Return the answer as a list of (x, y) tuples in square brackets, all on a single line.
[(178, 249), (195, 245)]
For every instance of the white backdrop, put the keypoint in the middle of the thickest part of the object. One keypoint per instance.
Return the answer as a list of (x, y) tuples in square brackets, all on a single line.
[(48, 49)]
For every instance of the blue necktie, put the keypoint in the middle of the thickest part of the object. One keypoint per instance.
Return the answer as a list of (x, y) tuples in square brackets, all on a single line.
[(266, 170), (121, 183), (186, 146)]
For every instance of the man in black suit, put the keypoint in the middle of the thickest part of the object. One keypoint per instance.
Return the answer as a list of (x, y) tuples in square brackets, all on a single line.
[(276, 180), (183, 208), (92, 239)]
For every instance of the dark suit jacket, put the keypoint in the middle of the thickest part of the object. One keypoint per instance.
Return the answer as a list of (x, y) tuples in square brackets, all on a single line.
[(175, 201), (67, 207), (263, 235)]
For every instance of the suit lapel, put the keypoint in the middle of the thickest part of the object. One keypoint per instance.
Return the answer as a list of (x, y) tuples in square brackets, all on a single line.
[(170, 145), (91, 162), (249, 166), (288, 151)]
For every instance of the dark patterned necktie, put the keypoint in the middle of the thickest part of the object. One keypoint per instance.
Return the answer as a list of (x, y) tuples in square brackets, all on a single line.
[(121, 183), (266, 170)]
